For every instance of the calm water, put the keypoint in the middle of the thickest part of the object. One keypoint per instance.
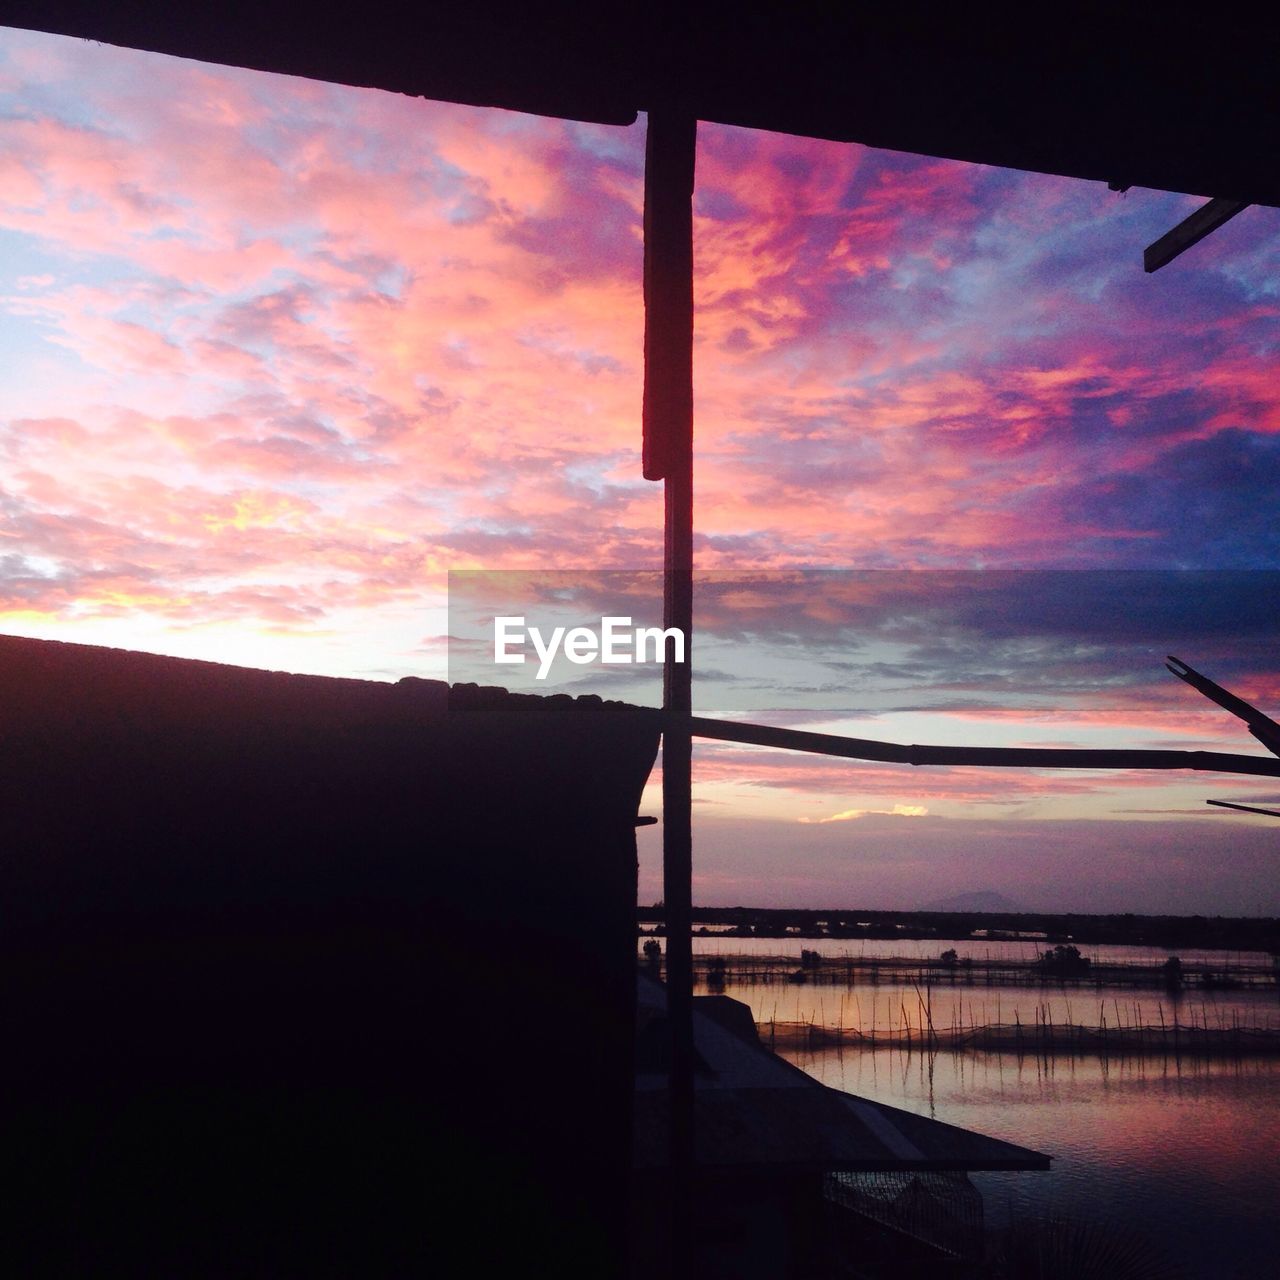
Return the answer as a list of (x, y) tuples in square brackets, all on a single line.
[(886, 1006), (1187, 1153)]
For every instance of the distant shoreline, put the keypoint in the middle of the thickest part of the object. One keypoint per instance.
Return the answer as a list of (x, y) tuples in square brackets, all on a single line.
[(1209, 933)]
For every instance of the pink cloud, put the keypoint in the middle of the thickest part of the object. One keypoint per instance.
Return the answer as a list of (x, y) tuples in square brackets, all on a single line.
[(290, 352), (424, 320)]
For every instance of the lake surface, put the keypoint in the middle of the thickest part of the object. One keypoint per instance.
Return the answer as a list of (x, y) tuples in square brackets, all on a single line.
[(938, 1000), (1185, 1153), (1181, 1151), (887, 1006)]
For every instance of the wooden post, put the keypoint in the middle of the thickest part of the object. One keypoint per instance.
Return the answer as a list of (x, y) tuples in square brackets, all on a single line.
[(668, 456)]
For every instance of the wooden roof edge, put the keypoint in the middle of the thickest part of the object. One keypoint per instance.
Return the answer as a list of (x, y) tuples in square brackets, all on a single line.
[(1189, 108)]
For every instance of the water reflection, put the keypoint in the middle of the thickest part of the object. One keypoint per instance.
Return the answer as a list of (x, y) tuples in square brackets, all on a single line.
[(886, 1007), (1183, 1151), (1176, 1148)]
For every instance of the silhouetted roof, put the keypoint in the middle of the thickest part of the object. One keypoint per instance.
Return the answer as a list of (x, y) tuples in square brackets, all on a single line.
[(756, 1113), (1180, 97)]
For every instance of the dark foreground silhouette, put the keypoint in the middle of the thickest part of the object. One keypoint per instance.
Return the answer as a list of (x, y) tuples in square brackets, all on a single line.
[(255, 1021)]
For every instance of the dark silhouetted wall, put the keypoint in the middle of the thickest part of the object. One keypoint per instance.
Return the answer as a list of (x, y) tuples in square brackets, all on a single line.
[(307, 976)]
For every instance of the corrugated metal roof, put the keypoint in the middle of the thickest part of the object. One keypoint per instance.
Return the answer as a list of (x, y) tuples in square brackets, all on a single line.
[(756, 1113)]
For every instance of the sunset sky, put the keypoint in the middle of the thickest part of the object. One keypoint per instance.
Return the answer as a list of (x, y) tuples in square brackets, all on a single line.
[(278, 355)]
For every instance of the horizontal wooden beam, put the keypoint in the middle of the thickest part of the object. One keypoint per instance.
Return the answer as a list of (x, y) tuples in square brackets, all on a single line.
[(830, 744), (1209, 217)]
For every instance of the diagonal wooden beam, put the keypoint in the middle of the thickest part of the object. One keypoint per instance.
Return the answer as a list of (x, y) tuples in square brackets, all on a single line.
[(1209, 217), (1263, 727), (1244, 808)]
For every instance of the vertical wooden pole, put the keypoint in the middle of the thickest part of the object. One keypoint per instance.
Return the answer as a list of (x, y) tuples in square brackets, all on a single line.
[(668, 456)]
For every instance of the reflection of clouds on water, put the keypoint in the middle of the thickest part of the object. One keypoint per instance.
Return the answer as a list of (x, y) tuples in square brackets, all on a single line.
[(1181, 1150), (885, 1007)]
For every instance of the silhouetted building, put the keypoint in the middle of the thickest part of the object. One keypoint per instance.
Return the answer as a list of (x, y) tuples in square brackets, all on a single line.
[(297, 974)]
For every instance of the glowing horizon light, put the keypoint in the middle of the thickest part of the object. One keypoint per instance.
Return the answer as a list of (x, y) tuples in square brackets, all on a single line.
[(850, 815)]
